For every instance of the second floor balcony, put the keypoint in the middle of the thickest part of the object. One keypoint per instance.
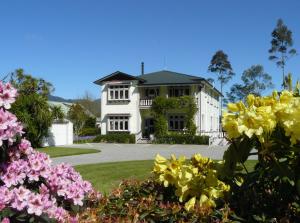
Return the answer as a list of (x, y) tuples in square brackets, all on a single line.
[(147, 103)]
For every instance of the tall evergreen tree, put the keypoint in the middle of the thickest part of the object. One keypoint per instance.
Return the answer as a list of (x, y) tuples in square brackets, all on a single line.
[(281, 47), (220, 65), (254, 81)]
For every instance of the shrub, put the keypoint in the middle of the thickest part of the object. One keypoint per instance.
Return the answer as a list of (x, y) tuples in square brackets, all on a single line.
[(179, 138), (116, 138), (161, 106), (31, 189), (148, 201), (270, 128), (90, 122), (194, 181), (90, 131)]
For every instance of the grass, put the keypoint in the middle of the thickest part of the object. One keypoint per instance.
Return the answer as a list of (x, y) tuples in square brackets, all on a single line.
[(106, 176), (63, 151)]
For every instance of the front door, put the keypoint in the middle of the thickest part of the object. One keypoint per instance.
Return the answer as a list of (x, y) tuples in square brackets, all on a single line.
[(149, 127)]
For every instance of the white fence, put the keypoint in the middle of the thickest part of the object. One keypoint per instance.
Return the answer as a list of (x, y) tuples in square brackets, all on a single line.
[(60, 134)]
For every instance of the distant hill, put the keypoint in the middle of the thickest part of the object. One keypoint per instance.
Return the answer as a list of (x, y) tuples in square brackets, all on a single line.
[(60, 99), (93, 107)]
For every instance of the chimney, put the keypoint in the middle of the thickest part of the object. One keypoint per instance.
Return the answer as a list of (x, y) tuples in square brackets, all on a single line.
[(142, 68)]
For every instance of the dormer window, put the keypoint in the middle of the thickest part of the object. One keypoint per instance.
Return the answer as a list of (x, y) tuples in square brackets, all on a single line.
[(118, 92)]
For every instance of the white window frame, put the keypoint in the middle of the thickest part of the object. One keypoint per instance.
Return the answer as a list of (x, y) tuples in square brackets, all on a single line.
[(114, 123), (115, 92)]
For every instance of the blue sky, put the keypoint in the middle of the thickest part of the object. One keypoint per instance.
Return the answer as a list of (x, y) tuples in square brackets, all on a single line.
[(72, 43)]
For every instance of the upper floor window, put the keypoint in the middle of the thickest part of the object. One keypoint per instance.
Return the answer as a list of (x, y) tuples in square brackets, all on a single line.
[(118, 92), (151, 92), (179, 91)]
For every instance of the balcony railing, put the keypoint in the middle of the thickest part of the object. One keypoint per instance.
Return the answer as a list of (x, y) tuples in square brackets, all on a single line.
[(146, 103)]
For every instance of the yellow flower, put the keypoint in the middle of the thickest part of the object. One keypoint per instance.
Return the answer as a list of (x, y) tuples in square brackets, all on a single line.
[(160, 159), (190, 204), (250, 100), (232, 107)]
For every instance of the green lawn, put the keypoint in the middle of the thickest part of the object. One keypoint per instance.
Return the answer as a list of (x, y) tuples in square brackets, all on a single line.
[(62, 151), (106, 176)]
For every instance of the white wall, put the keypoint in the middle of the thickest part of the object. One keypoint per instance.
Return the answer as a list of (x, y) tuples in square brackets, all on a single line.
[(60, 134), (210, 110), (131, 107)]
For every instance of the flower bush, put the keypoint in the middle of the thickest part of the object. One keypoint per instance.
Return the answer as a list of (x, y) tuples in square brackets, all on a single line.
[(31, 189), (268, 127), (149, 201), (195, 181)]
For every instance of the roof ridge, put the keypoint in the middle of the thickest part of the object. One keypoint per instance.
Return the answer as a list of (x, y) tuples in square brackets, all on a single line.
[(174, 72)]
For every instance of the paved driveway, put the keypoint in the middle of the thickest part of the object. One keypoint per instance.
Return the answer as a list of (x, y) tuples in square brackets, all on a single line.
[(125, 152)]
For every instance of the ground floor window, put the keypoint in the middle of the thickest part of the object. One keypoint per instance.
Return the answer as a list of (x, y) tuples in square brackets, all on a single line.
[(176, 122), (118, 123)]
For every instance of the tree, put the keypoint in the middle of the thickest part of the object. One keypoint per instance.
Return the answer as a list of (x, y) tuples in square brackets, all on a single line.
[(220, 65), (77, 115), (26, 84), (281, 47), (31, 106), (88, 102), (254, 81), (57, 113)]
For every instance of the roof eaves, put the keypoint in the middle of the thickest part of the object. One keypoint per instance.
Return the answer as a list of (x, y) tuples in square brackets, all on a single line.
[(99, 81)]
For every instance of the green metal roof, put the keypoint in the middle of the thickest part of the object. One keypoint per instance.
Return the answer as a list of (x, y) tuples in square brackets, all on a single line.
[(166, 77), (163, 77)]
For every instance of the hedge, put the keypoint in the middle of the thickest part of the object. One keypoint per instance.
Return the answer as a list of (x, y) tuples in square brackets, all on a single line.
[(90, 131), (178, 138), (116, 138)]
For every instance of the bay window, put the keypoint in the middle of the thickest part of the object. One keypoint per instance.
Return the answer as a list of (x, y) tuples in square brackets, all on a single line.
[(118, 123), (118, 92)]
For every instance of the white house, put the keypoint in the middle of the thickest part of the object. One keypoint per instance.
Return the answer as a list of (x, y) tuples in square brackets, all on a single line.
[(126, 101)]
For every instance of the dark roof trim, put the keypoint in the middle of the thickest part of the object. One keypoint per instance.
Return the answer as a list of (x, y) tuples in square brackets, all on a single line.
[(213, 87), (119, 114), (130, 77), (171, 84)]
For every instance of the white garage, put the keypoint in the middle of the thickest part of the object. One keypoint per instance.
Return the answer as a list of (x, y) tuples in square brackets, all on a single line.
[(60, 134)]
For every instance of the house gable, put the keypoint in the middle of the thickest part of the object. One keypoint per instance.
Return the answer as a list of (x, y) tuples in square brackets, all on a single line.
[(117, 76)]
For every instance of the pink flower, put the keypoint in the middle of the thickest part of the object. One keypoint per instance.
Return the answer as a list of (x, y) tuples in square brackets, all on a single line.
[(29, 182), (35, 205), (5, 220), (25, 147)]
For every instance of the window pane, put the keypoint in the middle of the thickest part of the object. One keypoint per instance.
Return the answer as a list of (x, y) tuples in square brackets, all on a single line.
[(126, 125), (171, 124), (187, 91), (111, 125), (176, 125), (181, 125), (111, 94), (116, 125), (126, 94), (176, 93), (121, 94), (116, 94), (121, 125)]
